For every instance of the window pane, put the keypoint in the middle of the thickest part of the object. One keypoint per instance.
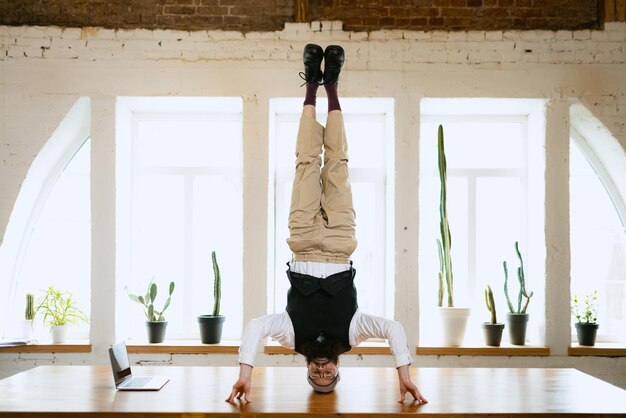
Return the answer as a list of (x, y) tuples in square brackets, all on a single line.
[(498, 223), (65, 264), (371, 290), (598, 246), (217, 227), (285, 145), (189, 143), (366, 148), (158, 228), (282, 254), (158, 248), (474, 144)]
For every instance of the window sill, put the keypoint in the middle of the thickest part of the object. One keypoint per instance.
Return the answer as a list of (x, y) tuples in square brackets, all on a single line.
[(599, 350), (183, 347), (368, 347), (68, 347), (505, 350)]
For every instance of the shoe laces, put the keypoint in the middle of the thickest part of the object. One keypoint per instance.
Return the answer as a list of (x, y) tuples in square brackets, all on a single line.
[(303, 76)]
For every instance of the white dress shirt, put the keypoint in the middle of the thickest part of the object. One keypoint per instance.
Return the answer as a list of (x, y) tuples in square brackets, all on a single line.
[(363, 326)]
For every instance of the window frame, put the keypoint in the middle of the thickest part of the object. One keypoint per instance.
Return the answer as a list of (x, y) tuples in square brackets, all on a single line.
[(606, 179), (531, 114), (130, 111), (56, 153)]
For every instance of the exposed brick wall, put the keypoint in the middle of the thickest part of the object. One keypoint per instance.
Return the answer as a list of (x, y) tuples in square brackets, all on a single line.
[(361, 15), (173, 14), (357, 15)]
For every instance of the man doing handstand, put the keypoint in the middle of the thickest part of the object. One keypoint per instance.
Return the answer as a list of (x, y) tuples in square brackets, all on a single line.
[(322, 319)]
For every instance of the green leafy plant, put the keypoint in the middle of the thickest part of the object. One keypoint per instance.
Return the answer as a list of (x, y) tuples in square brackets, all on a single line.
[(522, 285), (444, 242), (29, 313), (148, 301), (491, 304), (217, 285), (59, 308), (586, 311)]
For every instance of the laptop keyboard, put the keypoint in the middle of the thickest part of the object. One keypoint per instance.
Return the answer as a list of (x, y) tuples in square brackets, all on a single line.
[(137, 382)]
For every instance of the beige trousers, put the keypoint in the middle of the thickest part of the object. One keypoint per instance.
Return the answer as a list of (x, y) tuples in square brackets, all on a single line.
[(321, 218)]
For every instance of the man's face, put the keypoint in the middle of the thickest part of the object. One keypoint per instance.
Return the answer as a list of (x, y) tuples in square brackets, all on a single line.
[(322, 371)]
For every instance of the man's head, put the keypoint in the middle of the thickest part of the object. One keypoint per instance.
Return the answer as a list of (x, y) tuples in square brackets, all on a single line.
[(322, 360), (322, 374)]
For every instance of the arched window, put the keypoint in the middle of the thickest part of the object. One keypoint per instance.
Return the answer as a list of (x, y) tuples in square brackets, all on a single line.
[(597, 219), (48, 237)]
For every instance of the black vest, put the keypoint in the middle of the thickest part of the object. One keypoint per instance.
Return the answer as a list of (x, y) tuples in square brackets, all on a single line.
[(321, 306)]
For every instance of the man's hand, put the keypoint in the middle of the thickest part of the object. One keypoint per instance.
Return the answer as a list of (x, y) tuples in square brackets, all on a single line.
[(242, 385), (406, 385)]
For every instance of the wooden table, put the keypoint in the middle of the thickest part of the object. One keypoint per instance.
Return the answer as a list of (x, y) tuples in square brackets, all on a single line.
[(195, 392)]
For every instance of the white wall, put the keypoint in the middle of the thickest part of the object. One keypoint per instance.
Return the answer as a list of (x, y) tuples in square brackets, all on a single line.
[(43, 70)]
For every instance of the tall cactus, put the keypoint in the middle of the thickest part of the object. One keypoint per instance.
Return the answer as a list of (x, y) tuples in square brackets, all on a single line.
[(29, 313), (444, 242), (491, 304), (217, 286), (522, 285)]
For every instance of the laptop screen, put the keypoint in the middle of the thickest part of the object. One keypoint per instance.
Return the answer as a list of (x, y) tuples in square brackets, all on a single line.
[(119, 362)]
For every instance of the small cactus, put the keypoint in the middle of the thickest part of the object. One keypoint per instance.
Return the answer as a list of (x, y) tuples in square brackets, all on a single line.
[(217, 285), (148, 301), (522, 285), (491, 304), (29, 313)]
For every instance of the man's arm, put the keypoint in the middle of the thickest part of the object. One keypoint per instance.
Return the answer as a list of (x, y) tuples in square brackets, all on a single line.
[(277, 326), (369, 326)]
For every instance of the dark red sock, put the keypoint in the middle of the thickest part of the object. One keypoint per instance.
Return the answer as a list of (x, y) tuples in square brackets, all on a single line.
[(311, 94), (333, 98)]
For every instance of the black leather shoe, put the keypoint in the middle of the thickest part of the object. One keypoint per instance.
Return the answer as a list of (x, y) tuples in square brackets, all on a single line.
[(334, 57), (312, 58)]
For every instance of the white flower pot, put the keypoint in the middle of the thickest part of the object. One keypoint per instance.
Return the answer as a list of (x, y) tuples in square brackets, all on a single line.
[(28, 329), (59, 334), (453, 324)]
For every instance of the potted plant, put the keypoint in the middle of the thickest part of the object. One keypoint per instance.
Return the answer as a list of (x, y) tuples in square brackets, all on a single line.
[(586, 318), (59, 310), (517, 317), (211, 325), (156, 323), (454, 319), (492, 329), (29, 317)]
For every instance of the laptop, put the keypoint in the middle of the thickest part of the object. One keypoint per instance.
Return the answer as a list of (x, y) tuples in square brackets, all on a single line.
[(124, 379)]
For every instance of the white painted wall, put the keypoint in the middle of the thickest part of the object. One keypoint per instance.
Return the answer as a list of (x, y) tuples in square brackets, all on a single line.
[(43, 70)]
